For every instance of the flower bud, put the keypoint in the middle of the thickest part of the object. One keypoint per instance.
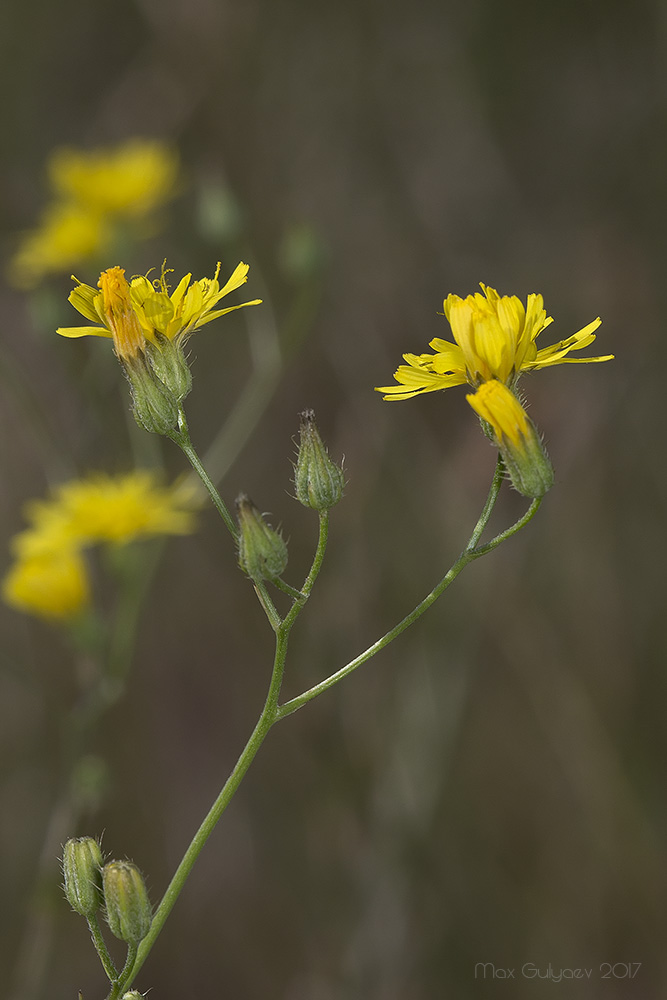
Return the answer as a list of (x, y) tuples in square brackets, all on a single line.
[(128, 907), (516, 437), (154, 405), (133, 995), (168, 362), (319, 482), (262, 551), (82, 863)]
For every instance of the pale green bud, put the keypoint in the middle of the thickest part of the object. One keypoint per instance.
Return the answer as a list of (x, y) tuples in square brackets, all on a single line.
[(319, 482), (82, 863), (128, 908), (262, 551), (169, 364), (154, 405), (133, 995)]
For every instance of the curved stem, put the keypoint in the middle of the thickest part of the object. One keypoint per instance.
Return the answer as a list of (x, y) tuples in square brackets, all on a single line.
[(481, 550), (119, 984), (266, 720), (101, 949), (273, 712), (489, 504), (471, 552), (182, 438), (257, 737)]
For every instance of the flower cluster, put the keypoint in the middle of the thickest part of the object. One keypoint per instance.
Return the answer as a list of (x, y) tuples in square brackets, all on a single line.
[(49, 577), (494, 342), (94, 194)]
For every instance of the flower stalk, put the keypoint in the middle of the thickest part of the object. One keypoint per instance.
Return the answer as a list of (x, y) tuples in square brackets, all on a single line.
[(273, 711)]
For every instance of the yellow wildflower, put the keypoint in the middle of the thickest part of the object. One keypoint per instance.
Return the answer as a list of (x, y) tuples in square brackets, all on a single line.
[(53, 585), (516, 437), (67, 235), (156, 311), (130, 180), (123, 508), (495, 338), (48, 577), (94, 194)]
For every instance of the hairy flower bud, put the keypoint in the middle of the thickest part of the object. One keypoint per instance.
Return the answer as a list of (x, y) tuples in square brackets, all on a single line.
[(133, 995), (262, 551), (82, 863), (154, 405), (516, 436), (168, 362), (128, 907), (319, 482)]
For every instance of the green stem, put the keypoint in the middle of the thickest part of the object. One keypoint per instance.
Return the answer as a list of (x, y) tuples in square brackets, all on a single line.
[(182, 438), (481, 550), (120, 982), (318, 559), (266, 720), (471, 552), (286, 589), (273, 712), (489, 504), (101, 949), (259, 733)]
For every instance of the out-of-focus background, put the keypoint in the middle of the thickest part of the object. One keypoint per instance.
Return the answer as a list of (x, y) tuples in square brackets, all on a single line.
[(491, 789)]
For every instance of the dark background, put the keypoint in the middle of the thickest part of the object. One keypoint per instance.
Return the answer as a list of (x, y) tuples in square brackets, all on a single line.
[(491, 788)]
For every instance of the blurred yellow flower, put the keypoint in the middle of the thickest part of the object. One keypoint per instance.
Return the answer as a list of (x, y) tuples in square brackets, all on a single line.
[(53, 585), (48, 577), (149, 309), (94, 193), (494, 339), (131, 180), (123, 508), (68, 235)]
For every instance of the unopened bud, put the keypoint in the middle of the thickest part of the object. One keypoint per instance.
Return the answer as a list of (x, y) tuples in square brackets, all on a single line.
[(170, 366), (133, 995), (319, 482), (128, 908), (262, 551), (516, 437), (82, 863), (154, 405)]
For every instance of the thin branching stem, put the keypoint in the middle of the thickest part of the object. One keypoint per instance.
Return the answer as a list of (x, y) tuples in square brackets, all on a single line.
[(273, 711)]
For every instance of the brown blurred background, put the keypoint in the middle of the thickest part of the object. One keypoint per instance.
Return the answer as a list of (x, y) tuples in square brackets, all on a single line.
[(492, 787)]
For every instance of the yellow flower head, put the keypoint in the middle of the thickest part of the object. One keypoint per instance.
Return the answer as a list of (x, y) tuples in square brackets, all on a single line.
[(48, 577), (95, 193), (150, 307), (131, 179), (495, 338), (123, 508), (67, 235), (53, 585), (516, 437)]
